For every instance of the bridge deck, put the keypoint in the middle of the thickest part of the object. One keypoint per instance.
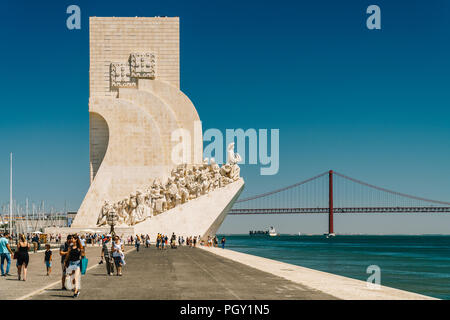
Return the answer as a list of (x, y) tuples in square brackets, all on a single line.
[(339, 210)]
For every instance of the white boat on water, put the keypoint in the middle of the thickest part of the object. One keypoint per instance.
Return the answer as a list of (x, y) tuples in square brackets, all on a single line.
[(272, 232)]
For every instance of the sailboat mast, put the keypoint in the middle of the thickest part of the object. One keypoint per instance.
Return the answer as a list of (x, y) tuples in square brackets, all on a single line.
[(10, 195), (26, 213)]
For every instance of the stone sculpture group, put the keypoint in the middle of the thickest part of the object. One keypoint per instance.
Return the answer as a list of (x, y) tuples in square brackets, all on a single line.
[(184, 184)]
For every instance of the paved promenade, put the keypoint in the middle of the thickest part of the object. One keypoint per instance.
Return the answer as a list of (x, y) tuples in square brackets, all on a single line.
[(183, 273), (192, 273)]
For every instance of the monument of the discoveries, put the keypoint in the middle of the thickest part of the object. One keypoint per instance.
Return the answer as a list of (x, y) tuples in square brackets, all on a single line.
[(136, 109)]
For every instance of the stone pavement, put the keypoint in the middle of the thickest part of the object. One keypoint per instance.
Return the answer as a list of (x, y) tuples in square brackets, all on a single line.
[(183, 273), (11, 288)]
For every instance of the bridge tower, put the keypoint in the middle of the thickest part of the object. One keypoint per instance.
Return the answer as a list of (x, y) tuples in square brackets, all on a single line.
[(330, 203)]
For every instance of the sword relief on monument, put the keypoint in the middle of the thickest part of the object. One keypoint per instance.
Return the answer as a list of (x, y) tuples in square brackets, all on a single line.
[(120, 75), (143, 65)]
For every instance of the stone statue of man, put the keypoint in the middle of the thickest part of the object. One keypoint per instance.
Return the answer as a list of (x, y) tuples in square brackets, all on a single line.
[(103, 216)]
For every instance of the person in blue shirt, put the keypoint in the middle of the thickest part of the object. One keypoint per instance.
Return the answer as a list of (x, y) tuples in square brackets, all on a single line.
[(5, 253)]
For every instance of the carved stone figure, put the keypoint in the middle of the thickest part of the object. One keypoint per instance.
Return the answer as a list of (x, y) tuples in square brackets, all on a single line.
[(183, 191), (233, 170), (233, 158), (194, 189), (132, 204), (216, 177), (172, 193), (122, 212), (103, 216), (140, 208), (148, 206), (183, 185), (181, 170), (204, 183), (225, 171), (159, 203)]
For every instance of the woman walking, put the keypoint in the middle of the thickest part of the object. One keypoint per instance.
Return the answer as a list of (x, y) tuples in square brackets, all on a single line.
[(73, 263), (117, 253), (138, 243), (147, 241), (22, 257), (158, 241)]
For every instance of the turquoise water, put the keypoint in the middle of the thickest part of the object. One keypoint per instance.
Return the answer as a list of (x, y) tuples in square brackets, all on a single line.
[(414, 263)]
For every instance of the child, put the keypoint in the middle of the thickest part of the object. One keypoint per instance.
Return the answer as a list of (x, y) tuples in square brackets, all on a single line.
[(48, 258)]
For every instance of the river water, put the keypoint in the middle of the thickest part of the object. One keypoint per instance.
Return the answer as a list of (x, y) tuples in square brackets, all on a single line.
[(414, 263)]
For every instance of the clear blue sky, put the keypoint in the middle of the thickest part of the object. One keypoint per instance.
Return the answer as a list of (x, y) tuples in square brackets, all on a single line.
[(370, 104)]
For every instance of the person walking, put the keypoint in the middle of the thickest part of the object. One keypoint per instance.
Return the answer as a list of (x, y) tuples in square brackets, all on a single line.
[(5, 253), (138, 243), (173, 240), (106, 253), (63, 250), (117, 253), (163, 242), (158, 241), (48, 258), (223, 242), (22, 257), (35, 241), (73, 262), (83, 240)]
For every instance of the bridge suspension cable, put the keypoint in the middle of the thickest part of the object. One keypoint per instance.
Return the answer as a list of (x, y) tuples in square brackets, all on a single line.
[(282, 189), (390, 191)]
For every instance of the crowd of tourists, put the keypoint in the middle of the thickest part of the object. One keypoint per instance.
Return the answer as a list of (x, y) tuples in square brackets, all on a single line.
[(163, 241), (72, 256), (72, 252)]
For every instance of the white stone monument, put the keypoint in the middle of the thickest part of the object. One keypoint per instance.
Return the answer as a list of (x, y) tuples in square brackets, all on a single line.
[(135, 105)]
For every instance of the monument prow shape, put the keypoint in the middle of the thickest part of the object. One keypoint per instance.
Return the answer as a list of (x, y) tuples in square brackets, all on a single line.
[(136, 109)]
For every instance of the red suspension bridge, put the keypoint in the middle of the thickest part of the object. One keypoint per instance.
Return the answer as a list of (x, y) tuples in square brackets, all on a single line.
[(332, 192)]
